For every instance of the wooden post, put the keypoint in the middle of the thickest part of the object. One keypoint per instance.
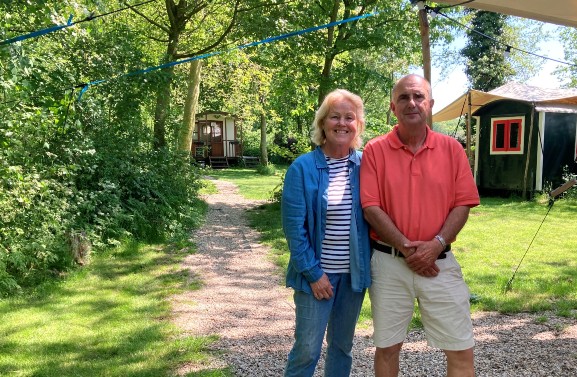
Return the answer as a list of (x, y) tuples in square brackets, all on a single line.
[(425, 43), (564, 187), (390, 99), (426, 51), (468, 136), (528, 160)]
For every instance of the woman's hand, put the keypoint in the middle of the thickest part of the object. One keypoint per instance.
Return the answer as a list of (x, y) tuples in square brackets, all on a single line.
[(322, 288)]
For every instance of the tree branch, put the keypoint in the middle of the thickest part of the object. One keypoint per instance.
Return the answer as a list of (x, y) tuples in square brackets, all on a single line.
[(220, 39), (265, 5), (163, 28), (194, 10)]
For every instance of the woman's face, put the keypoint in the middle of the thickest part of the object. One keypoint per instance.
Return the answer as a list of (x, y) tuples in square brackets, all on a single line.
[(340, 125)]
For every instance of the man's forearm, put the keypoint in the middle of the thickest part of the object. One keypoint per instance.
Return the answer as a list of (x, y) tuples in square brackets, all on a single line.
[(454, 223), (382, 224)]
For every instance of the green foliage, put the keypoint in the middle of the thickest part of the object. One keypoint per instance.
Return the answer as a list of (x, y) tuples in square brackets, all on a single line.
[(70, 166), (269, 169), (486, 66), (251, 140), (287, 149), (374, 129), (147, 195), (569, 72), (276, 192)]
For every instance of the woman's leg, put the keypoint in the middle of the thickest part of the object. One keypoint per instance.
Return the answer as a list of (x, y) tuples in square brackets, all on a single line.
[(312, 316), (341, 326)]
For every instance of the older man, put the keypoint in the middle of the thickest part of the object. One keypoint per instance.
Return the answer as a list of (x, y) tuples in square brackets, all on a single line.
[(416, 193)]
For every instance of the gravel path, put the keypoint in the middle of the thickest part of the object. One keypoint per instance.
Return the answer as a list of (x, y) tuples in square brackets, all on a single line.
[(244, 302)]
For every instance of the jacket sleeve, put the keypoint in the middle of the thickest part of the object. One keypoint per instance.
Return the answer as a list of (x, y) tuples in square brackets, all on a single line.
[(296, 215)]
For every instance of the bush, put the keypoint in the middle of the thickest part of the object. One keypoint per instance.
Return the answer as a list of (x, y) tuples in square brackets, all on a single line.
[(269, 169), (568, 176), (287, 149), (152, 198), (32, 224), (82, 172)]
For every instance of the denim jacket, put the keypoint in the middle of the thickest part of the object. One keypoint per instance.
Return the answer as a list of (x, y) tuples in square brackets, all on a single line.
[(304, 210)]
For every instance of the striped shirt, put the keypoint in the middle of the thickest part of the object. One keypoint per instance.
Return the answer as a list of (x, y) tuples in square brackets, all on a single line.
[(336, 253)]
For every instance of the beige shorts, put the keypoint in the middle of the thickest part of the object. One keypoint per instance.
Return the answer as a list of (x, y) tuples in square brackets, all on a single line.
[(443, 303)]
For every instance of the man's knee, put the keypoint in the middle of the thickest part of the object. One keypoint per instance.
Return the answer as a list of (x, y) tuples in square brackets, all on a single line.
[(388, 353), (460, 363)]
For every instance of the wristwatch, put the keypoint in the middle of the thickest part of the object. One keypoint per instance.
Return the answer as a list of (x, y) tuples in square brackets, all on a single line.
[(440, 238)]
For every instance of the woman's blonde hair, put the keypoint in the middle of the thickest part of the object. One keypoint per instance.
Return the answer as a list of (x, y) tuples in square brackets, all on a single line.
[(319, 136)]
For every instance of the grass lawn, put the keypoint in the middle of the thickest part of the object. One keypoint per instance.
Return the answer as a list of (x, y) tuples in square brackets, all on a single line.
[(502, 236), (252, 185), (489, 249), (112, 317), (107, 319)]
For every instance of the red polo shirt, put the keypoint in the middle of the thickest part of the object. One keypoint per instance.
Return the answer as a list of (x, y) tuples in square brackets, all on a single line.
[(419, 190)]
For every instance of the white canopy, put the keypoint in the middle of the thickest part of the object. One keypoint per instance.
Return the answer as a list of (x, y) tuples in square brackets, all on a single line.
[(560, 12), (551, 100)]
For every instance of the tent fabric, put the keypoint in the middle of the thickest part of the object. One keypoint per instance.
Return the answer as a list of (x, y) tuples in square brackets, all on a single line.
[(557, 108), (560, 12), (563, 100)]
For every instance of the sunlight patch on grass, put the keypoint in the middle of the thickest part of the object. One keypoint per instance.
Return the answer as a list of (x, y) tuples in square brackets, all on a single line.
[(108, 319)]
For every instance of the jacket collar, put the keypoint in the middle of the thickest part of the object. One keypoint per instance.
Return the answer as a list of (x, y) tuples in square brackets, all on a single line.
[(321, 161)]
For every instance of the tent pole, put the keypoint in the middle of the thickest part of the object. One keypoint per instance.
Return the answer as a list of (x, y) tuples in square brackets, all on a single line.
[(469, 128), (426, 51), (425, 43), (525, 176)]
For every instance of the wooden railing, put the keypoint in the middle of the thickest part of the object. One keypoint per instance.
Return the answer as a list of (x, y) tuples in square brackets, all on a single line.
[(230, 148)]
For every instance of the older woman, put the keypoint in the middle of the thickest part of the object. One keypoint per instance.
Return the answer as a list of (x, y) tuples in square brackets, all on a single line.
[(328, 238)]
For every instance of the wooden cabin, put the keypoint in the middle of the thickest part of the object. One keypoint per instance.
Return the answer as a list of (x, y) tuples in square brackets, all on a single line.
[(525, 136), (216, 140)]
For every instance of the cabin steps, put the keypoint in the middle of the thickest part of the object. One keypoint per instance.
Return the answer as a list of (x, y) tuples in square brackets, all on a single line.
[(220, 162)]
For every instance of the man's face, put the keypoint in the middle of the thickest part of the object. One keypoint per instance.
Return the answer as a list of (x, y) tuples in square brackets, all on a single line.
[(411, 101)]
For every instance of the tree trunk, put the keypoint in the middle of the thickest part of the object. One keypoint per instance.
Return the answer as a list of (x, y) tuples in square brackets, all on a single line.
[(184, 138), (161, 110), (263, 151), (325, 79), (329, 56), (299, 120), (163, 94)]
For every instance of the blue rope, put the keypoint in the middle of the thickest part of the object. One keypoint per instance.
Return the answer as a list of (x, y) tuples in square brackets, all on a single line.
[(68, 24), (38, 33), (240, 47)]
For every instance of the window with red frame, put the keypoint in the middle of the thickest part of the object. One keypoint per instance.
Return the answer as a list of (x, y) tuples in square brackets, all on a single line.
[(507, 135)]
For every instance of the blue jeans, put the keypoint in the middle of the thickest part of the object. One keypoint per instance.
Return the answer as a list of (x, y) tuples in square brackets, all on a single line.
[(338, 316)]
